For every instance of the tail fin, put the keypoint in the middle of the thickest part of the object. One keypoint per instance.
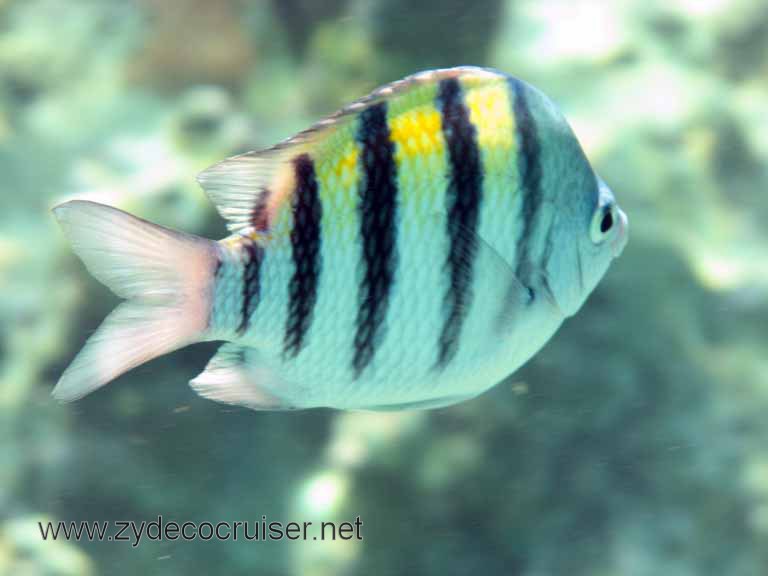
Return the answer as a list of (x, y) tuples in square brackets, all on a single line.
[(165, 276)]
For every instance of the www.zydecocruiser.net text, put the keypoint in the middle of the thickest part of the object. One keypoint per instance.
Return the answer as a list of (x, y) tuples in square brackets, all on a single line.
[(261, 530)]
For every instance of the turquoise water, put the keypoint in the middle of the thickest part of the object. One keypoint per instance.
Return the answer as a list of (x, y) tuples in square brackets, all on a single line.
[(633, 443)]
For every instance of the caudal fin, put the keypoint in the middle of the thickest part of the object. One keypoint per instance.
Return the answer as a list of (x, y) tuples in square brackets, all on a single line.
[(165, 276)]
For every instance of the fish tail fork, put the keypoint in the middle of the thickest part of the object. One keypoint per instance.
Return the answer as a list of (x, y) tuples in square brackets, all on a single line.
[(165, 276)]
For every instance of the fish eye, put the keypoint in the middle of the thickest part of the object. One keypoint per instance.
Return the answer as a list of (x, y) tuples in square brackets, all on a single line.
[(606, 222), (603, 222)]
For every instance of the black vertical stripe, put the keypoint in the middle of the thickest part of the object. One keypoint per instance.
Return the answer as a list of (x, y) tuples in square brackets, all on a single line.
[(463, 198), (378, 213), (529, 169), (259, 215), (252, 256), (216, 271), (305, 248)]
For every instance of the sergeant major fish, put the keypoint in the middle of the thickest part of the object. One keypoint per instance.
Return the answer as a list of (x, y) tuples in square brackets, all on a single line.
[(410, 251)]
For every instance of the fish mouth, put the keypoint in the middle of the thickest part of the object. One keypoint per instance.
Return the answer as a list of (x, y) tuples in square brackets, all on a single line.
[(618, 244)]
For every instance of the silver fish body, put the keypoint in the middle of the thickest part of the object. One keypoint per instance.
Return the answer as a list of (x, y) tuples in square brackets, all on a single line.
[(410, 251)]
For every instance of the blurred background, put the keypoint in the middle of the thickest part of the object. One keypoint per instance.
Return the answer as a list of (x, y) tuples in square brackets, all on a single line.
[(635, 443)]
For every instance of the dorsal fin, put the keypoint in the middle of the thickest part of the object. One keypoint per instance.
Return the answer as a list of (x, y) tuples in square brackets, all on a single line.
[(242, 187), (248, 188)]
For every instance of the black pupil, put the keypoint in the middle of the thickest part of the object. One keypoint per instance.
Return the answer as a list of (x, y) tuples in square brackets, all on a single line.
[(607, 222)]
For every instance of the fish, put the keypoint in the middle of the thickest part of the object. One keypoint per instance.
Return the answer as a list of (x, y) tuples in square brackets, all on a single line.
[(410, 251)]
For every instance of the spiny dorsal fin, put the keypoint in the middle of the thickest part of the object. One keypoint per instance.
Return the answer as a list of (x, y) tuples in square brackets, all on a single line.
[(248, 188)]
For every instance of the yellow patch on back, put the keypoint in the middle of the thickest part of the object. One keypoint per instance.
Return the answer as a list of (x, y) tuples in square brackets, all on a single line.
[(421, 158), (346, 168), (490, 111), (417, 132), (338, 176)]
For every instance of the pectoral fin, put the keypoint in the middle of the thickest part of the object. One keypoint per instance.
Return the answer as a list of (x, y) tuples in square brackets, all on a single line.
[(495, 277)]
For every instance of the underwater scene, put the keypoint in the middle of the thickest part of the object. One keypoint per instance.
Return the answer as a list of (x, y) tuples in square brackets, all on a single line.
[(632, 440)]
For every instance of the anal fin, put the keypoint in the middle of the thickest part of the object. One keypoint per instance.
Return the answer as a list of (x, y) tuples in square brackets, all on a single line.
[(429, 404), (235, 375)]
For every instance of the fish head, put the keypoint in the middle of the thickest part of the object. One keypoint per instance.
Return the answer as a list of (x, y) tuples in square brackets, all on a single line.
[(577, 227), (591, 231)]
